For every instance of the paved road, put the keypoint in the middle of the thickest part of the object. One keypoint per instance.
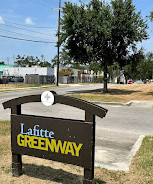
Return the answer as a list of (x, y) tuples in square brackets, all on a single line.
[(62, 90), (116, 134)]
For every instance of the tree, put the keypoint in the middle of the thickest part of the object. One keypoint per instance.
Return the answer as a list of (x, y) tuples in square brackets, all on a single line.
[(102, 33), (151, 16), (96, 67), (114, 70), (2, 63), (145, 67), (130, 70), (66, 72), (31, 61), (65, 60)]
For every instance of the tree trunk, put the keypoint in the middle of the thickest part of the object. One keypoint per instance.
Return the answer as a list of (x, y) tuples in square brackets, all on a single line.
[(126, 80), (105, 90)]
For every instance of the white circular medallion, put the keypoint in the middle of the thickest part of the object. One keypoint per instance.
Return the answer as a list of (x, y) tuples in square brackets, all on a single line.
[(47, 98)]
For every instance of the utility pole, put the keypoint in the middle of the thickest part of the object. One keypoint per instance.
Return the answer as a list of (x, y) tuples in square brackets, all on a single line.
[(58, 44), (8, 59), (13, 59)]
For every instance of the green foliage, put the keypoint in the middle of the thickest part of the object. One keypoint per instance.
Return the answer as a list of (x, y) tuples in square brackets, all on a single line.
[(140, 67), (102, 33), (66, 72), (64, 58), (114, 70), (2, 63), (96, 67), (131, 69), (145, 67), (31, 61), (151, 16)]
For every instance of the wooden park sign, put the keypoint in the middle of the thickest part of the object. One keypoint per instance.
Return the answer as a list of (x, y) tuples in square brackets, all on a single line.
[(64, 140)]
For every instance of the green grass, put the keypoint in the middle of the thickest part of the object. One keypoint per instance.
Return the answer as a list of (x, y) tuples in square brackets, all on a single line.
[(141, 168), (144, 159), (90, 83), (7, 170), (13, 86), (26, 85), (4, 128), (94, 97), (4, 135)]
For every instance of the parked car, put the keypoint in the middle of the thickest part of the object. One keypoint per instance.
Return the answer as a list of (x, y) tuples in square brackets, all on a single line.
[(4, 80), (146, 81), (1, 81), (21, 79), (17, 79), (130, 82)]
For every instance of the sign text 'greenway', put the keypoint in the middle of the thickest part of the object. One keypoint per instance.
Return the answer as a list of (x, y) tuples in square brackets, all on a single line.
[(64, 140), (44, 140)]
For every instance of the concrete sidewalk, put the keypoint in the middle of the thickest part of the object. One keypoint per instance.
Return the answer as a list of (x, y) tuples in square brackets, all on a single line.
[(135, 103)]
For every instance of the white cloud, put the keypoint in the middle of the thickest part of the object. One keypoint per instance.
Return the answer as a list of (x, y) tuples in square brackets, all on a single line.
[(1, 20), (28, 20)]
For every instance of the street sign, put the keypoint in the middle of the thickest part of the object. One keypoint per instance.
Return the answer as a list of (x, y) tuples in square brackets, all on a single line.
[(63, 140), (56, 139)]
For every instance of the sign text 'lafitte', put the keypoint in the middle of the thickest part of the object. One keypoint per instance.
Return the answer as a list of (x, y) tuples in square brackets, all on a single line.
[(64, 140), (44, 140)]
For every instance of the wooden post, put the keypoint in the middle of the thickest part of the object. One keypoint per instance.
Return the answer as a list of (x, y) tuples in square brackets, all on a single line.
[(16, 158), (89, 173)]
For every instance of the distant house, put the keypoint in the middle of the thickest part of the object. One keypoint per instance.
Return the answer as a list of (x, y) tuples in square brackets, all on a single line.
[(66, 79), (89, 76)]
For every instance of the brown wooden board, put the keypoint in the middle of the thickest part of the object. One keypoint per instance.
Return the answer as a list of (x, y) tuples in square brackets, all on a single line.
[(75, 137)]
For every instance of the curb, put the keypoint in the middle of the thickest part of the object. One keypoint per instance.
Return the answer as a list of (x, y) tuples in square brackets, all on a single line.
[(123, 166), (144, 104), (111, 103), (134, 149)]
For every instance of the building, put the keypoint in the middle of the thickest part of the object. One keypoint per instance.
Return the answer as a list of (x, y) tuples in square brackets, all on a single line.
[(2, 68), (23, 71), (66, 79)]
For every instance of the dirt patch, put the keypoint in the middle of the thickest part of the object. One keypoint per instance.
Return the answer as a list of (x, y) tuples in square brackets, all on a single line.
[(120, 93)]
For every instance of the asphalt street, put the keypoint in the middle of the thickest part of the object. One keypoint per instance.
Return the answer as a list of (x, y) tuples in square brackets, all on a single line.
[(116, 134)]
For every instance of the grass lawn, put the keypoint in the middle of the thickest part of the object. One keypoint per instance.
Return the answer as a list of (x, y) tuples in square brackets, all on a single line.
[(13, 86), (120, 93), (40, 171)]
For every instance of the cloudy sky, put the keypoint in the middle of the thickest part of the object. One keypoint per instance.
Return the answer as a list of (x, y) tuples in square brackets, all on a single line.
[(38, 20)]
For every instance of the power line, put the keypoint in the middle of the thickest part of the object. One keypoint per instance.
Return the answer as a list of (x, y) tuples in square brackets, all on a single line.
[(25, 39), (38, 2), (28, 25), (54, 2), (27, 30), (20, 33), (4, 58)]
